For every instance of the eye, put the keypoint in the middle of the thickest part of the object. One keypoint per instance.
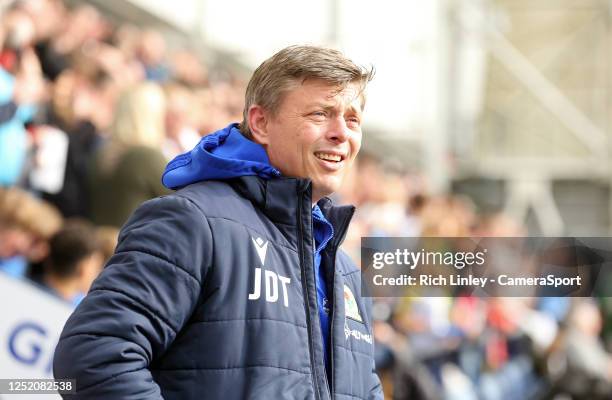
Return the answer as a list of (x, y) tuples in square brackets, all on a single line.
[(353, 122), (318, 114)]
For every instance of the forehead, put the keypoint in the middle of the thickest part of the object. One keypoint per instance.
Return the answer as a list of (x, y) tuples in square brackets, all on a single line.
[(318, 92)]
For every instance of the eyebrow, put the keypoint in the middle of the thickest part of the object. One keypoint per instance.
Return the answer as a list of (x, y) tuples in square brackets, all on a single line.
[(357, 110), (331, 106)]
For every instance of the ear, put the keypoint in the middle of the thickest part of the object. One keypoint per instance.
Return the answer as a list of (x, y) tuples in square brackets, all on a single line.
[(258, 119)]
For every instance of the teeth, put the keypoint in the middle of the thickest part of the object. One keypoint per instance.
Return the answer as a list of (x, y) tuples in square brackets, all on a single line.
[(328, 157)]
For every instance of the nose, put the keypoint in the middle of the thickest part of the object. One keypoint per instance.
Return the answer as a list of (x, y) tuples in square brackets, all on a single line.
[(337, 131)]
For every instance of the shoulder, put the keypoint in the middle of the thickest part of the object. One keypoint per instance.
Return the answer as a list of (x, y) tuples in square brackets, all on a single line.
[(165, 209), (170, 227), (225, 207), (218, 199)]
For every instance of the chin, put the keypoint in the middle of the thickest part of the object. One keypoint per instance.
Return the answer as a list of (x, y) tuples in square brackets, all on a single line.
[(325, 190)]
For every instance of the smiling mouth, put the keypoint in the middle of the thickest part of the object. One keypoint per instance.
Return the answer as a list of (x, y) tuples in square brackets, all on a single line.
[(328, 157)]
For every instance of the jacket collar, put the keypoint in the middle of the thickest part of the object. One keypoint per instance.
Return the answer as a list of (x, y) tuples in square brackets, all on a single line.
[(280, 200)]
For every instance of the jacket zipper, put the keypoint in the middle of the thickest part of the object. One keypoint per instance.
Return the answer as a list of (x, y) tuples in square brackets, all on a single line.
[(329, 384), (331, 334), (341, 232), (307, 299)]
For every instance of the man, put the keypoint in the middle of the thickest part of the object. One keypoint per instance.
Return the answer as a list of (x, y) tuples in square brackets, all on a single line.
[(234, 287), (74, 261)]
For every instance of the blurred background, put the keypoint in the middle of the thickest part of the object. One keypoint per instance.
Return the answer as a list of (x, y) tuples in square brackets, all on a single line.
[(486, 118)]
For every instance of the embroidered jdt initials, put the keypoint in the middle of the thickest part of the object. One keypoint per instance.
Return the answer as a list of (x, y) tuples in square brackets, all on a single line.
[(270, 280)]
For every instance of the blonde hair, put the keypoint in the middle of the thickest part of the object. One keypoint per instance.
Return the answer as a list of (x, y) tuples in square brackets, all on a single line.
[(139, 117), (294, 65), (139, 121), (19, 209)]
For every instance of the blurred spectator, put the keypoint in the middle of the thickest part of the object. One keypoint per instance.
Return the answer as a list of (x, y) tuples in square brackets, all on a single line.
[(26, 224), (81, 25), (387, 215), (128, 169), (449, 216), (217, 106), (152, 54), (79, 109), (588, 367), (498, 225), (71, 195), (74, 261), (606, 309), (127, 38), (21, 88), (48, 17), (188, 70), (180, 134), (108, 236)]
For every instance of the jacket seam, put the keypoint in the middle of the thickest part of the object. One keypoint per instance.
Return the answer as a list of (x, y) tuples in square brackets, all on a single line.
[(253, 229), (212, 237), (102, 336), (351, 272), (354, 351), (196, 205), (138, 302), (237, 367), (158, 256), (211, 265), (348, 395), (109, 378), (207, 217), (250, 319)]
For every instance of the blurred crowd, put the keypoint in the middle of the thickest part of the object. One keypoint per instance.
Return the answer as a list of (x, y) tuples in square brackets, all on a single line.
[(91, 112), (458, 346)]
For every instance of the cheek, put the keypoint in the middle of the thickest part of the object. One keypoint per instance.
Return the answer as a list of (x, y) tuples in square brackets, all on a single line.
[(355, 144), (302, 147), (288, 155)]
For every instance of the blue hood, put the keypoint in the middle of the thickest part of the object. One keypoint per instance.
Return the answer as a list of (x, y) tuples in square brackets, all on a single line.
[(221, 155)]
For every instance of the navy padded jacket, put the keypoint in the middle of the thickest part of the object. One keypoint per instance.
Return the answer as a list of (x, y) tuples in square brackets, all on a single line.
[(211, 295)]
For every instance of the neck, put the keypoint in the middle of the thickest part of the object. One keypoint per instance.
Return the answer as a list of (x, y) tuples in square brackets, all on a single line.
[(67, 288), (316, 196)]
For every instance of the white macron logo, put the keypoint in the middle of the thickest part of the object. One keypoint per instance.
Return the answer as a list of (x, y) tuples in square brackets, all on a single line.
[(261, 248)]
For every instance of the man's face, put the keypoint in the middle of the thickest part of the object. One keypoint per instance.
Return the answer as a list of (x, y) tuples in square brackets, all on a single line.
[(316, 134)]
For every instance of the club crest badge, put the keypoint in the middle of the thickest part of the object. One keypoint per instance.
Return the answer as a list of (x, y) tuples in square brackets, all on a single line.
[(351, 310)]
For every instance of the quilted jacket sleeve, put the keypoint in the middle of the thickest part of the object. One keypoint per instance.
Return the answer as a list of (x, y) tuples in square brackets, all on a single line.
[(145, 294)]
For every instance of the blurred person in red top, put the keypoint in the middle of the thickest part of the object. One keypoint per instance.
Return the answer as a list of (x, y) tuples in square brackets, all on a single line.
[(21, 89)]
